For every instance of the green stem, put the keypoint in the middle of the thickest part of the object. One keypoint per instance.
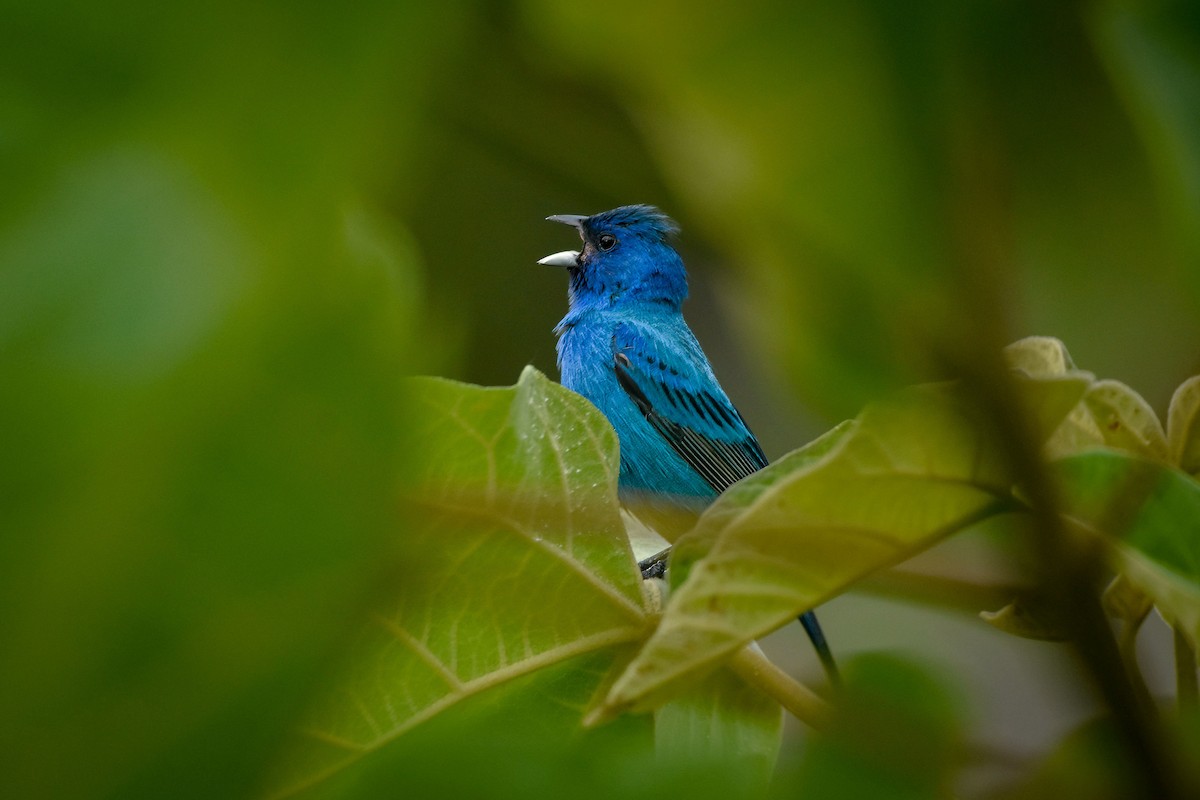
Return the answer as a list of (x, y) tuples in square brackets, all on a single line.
[(1186, 687), (759, 671)]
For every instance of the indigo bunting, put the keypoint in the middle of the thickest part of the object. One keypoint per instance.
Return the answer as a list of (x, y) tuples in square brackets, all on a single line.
[(625, 347)]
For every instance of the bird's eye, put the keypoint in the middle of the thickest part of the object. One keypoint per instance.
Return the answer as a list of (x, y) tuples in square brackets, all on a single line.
[(606, 241)]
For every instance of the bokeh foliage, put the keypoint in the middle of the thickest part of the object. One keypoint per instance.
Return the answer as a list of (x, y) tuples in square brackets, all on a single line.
[(228, 230)]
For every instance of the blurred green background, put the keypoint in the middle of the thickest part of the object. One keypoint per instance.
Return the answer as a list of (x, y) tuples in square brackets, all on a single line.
[(227, 231)]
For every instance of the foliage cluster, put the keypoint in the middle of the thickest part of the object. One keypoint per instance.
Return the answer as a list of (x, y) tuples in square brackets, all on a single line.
[(228, 232)]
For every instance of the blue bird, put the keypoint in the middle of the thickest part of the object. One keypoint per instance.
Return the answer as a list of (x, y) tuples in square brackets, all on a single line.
[(625, 347)]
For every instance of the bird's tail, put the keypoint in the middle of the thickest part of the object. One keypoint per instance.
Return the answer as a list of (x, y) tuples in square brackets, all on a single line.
[(813, 628)]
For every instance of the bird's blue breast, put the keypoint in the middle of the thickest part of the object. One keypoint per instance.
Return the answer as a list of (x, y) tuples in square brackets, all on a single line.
[(648, 463)]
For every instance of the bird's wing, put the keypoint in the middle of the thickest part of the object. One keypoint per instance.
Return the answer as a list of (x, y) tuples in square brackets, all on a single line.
[(681, 399)]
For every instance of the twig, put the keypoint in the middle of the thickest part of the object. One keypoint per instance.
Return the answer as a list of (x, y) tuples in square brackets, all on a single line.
[(756, 669)]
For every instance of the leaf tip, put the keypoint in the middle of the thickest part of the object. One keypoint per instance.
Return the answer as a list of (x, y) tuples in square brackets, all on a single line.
[(531, 375), (1039, 356)]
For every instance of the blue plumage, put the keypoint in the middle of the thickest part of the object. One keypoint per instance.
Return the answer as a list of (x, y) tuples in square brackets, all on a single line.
[(625, 346)]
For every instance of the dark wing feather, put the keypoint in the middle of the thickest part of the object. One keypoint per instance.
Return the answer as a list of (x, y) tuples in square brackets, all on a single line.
[(685, 405), (674, 387)]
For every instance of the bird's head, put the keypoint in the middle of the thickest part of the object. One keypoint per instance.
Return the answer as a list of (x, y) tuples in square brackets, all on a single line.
[(626, 258)]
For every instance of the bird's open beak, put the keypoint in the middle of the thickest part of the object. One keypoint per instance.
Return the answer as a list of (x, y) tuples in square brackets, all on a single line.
[(574, 220), (567, 258)]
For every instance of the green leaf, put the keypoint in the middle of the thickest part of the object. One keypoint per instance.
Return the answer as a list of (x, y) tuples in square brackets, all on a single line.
[(1152, 513), (908, 472), (723, 722), (1110, 415), (201, 444), (519, 561), (897, 734), (1183, 427), (1125, 419), (519, 740), (200, 410), (700, 540), (1039, 357)]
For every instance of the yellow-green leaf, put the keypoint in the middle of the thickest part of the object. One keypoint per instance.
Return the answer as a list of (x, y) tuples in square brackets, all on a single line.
[(1125, 419), (1110, 415), (1152, 513), (1039, 357), (519, 562), (909, 471), (1183, 427)]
